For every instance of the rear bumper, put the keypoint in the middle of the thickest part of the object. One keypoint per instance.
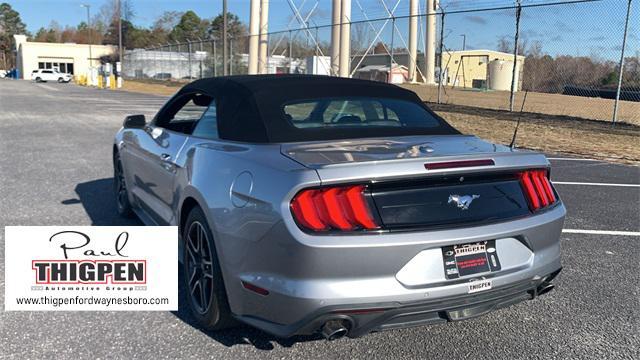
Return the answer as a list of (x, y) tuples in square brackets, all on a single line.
[(313, 280), (367, 318)]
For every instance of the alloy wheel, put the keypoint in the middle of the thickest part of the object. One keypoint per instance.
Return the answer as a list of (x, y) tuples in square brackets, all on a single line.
[(199, 264), (121, 187)]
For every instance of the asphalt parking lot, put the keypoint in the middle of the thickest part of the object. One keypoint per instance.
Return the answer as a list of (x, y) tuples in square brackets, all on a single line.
[(55, 169)]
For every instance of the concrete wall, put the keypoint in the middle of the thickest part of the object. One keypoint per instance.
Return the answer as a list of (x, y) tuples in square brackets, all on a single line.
[(31, 53)]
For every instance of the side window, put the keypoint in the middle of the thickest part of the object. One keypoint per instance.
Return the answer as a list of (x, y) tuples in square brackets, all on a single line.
[(182, 115), (207, 127)]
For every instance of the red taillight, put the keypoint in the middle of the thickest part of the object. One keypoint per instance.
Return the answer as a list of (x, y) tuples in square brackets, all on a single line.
[(537, 188), (306, 212), (335, 211), (342, 208)]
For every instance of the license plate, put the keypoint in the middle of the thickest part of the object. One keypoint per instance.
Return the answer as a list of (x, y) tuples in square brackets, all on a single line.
[(479, 285), (470, 259)]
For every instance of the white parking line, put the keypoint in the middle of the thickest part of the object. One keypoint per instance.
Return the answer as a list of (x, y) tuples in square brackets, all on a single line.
[(593, 184), (48, 87), (601, 232)]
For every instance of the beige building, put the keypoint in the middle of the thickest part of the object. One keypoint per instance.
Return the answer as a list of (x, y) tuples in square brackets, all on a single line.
[(480, 69), (473, 69), (68, 57)]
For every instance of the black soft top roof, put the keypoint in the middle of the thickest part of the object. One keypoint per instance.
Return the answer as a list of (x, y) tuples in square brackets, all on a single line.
[(250, 106)]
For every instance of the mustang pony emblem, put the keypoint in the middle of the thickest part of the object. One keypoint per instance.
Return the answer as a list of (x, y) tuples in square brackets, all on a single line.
[(462, 201)]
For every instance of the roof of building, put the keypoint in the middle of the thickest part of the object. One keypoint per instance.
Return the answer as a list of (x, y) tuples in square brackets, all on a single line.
[(479, 52), (380, 68)]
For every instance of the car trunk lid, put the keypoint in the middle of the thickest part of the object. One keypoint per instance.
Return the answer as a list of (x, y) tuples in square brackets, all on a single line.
[(402, 157), (426, 181)]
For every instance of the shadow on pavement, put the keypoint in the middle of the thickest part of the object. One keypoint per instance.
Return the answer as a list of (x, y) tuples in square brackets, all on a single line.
[(241, 335), (97, 199)]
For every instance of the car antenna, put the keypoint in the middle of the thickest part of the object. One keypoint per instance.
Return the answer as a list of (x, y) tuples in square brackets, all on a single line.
[(515, 132)]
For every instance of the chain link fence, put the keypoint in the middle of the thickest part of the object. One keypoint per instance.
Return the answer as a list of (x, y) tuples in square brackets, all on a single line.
[(566, 56)]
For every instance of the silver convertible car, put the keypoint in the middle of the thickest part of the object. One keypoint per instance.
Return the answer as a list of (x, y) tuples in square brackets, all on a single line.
[(311, 204)]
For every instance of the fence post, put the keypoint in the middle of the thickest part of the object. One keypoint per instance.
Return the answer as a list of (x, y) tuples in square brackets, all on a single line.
[(161, 49), (178, 59), (318, 43), (215, 73), (440, 50), (515, 57), (155, 62), (393, 32), (291, 54), (624, 43), (231, 56), (189, 57)]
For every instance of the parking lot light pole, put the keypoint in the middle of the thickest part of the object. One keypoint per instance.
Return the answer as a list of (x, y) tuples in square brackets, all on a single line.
[(88, 7), (120, 30)]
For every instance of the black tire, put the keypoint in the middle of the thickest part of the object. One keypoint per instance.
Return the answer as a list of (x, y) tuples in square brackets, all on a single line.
[(60, 80), (38, 79), (203, 281), (120, 191)]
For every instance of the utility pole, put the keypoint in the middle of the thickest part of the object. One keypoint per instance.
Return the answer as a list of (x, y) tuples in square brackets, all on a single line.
[(254, 36), (225, 50), (413, 39), (88, 7), (345, 39), (336, 11), (120, 30), (464, 41), (263, 48), (430, 46)]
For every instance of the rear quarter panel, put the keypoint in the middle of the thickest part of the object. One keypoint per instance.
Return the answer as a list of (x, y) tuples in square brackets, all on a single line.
[(241, 189)]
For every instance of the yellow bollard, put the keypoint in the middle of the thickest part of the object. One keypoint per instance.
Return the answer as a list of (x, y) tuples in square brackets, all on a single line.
[(100, 81), (112, 82)]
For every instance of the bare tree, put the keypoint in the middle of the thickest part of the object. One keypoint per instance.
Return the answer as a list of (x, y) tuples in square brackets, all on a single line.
[(506, 45)]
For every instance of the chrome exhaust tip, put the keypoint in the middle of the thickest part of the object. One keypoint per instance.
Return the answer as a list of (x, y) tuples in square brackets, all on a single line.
[(545, 288), (334, 329)]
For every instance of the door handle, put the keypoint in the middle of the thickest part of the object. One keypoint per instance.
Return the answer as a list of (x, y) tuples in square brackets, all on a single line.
[(165, 157)]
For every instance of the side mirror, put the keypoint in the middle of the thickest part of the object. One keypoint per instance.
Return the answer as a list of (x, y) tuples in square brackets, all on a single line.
[(134, 122)]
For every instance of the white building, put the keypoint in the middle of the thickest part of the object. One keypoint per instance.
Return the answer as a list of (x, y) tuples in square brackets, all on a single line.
[(68, 57), (319, 65), (279, 64), (156, 64)]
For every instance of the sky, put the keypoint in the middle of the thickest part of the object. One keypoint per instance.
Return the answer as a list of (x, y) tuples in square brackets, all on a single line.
[(591, 29)]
